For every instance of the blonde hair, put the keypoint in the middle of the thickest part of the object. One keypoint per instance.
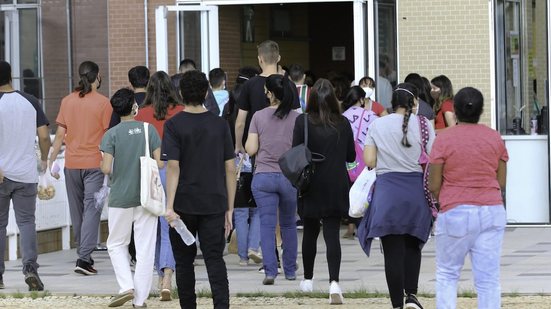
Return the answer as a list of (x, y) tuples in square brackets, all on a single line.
[(268, 51)]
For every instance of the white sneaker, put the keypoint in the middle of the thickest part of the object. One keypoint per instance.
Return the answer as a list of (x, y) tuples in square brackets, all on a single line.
[(307, 286), (335, 294)]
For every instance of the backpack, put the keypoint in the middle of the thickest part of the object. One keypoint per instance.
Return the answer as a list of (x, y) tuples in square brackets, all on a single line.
[(355, 168)]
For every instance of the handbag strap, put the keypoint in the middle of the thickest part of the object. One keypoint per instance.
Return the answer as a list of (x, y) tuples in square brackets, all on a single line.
[(423, 127), (306, 130), (146, 133), (360, 125)]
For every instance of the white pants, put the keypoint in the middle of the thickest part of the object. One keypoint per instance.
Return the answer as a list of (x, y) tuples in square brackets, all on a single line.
[(145, 235)]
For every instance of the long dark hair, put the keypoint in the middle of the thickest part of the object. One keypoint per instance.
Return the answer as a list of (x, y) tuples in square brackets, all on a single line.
[(323, 105), (355, 94), (88, 73), (161, 94), (404, 96), (446, 91), (280, 87)]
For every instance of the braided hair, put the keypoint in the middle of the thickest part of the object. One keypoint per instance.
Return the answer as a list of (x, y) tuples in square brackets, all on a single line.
[(404, 96)]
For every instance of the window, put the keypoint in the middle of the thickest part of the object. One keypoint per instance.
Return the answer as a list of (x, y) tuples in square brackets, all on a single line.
[(521, 68)]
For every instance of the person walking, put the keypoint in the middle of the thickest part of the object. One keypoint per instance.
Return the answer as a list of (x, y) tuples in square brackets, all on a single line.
[(330, 135), (21, 120), (270, 136), (160, 104), (468, 171), (200, 189), (82, 120), (398, 213), (122, 147)]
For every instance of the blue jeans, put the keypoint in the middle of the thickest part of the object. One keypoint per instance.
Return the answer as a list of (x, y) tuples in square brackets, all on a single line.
[(273, 192), (474, 230), (248, 234), (164, 258)]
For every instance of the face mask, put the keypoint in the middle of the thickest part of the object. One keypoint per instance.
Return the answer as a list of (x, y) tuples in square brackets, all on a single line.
[(435, 93), (368, 92)]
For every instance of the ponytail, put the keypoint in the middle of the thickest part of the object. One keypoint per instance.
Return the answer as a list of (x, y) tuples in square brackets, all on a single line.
[(282, 89), (88, 72), (405, 141)]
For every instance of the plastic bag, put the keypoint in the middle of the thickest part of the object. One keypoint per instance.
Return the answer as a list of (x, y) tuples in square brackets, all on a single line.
[(360, 193), (46, 189), (101, 196)]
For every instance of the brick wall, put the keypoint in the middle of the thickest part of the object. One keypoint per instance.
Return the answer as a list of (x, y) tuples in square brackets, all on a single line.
[(229, 18), (126, 40), (450, 38)]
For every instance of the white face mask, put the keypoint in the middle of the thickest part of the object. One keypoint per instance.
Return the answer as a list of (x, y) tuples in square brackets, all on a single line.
[(368, 92)]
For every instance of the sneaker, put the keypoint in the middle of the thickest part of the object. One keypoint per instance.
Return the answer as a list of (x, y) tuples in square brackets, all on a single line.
[(291, 277), (121, 299), (261, 270), (300, 225), (85, 268), (412, 302), (144, 305), (268, 280), (335, 294), (255, 256), (307, 286), (32, 279), (166, 295), (243, 262)]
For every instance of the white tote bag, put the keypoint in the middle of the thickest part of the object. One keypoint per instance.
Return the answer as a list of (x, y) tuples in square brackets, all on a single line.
[(359, 193), (152, 193)]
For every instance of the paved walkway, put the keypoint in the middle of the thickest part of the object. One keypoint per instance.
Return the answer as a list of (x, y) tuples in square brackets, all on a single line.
[(526, 268)]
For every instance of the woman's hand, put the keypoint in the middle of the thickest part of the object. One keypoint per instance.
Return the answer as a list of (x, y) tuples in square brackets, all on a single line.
[(171, 216)]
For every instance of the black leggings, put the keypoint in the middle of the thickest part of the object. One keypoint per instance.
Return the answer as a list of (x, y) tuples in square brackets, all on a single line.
[(331, 228), (402, 263)]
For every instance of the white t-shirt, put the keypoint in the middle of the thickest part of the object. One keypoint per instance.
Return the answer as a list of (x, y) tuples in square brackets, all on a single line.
[(20, 115), (386, 134)]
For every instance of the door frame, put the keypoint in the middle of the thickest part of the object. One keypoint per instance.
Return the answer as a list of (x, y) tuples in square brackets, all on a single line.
[(210, 44)]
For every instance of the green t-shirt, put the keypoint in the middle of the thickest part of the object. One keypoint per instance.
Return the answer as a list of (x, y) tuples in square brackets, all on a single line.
[(126, 143)]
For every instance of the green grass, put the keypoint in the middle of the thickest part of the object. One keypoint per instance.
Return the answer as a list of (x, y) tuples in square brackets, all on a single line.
[(467, 294), (18, 295)]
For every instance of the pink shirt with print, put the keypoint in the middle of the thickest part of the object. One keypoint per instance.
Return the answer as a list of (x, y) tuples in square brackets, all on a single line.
[(470, 154)]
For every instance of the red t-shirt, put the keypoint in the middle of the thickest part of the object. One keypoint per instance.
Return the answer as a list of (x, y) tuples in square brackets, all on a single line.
[(470, 154), (440, 120), (146, 114), (377, 108)]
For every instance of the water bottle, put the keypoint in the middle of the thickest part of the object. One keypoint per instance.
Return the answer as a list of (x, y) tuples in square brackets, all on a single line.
[(186, 235)]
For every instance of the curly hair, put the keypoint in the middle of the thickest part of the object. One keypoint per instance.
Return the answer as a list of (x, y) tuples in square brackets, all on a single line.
[(193, 87), (122, 101)]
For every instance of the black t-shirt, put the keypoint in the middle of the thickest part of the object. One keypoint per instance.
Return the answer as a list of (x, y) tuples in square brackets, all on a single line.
[(201, 143), (253, 98)]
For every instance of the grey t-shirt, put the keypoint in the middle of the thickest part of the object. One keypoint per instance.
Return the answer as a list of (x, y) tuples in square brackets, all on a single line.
[(275, 137), (425, 110), (20, 115), (386, 134), (126, 143)]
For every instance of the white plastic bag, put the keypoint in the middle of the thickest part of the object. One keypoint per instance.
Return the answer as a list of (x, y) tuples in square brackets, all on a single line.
[(101, 196), (46, 189), (360, 192)]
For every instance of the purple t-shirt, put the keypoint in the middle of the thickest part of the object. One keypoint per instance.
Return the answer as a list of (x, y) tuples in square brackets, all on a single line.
[(275, 137)]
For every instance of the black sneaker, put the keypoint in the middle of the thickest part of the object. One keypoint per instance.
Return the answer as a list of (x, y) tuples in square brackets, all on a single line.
[(32, 279), (85, 268), (412, 302)]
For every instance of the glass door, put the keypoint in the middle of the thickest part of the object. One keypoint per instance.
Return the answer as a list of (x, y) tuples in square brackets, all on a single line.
[(19, 40), (196, 34)]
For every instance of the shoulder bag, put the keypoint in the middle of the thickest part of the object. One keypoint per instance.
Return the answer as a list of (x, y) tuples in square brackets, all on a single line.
[(152, 193), (424, 162), (298, 164)]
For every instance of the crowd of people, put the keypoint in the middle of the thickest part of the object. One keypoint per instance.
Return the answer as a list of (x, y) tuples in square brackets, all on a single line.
[(199, 133)]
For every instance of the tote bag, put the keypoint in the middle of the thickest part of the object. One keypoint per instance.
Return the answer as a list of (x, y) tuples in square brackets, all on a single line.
[(152, 193)]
